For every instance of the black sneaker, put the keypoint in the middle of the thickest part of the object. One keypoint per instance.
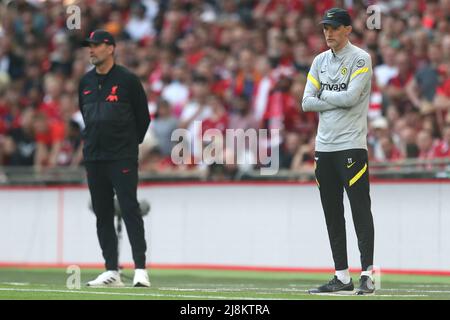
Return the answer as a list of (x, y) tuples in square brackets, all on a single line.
[(366, 286), (335, 285)]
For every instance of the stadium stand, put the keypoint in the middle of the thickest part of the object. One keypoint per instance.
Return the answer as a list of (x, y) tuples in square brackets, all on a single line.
[(236, 64)]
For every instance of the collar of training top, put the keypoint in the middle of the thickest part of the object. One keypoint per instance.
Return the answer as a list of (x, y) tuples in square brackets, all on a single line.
[(104, 74), (343, 51)]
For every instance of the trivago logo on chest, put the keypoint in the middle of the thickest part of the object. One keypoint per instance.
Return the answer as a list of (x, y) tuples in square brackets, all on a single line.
[(334, 86)]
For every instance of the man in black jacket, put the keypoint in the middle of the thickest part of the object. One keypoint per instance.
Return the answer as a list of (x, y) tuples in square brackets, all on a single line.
[(115, 112)]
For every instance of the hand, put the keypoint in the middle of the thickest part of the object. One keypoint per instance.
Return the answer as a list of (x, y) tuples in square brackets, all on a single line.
[(320, 92)]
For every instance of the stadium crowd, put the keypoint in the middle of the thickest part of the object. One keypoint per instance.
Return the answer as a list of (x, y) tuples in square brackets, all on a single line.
[(232, 64)]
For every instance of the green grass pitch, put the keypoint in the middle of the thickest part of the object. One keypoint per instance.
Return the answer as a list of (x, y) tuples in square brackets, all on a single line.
[(50, 284)]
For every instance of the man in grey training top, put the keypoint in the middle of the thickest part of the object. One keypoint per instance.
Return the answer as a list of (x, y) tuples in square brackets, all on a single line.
[(338, 87)]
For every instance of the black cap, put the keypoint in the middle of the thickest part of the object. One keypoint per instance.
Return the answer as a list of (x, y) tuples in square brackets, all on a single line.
[(337, 17), (99, 36)]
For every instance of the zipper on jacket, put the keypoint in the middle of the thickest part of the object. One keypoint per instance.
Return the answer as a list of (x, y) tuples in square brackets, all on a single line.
[(99, 91), (98, 113)]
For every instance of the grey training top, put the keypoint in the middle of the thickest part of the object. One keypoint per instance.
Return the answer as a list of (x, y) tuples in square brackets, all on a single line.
[(345, 80)]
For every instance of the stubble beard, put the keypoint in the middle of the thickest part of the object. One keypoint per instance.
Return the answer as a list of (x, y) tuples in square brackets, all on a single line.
[(96, 61)]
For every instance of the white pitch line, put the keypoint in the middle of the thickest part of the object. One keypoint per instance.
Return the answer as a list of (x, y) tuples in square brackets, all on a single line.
[(133, 294), (398, 295), (368, 295), (420, 291), (430, 286), (265, 291), (256, 290), (262, 291), (182, 296)]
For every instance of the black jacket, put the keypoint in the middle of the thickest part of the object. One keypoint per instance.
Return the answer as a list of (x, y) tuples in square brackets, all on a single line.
[(115, 113)]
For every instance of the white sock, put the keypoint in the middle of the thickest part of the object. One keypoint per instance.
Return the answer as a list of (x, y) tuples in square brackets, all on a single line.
[(343, 276), (367, 273)]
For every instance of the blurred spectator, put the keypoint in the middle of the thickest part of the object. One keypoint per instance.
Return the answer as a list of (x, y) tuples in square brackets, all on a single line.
[(425, 145), (247, 77), (50, 105), (446, 47), (423, 85), (50, 135), (162, 127), (388, 150), (379, 130), (302, 58), (61, 58), (442, 149), (387, 70), (376, 102), (442, 97), (241, 116), (192, 49), (10, 62), (154, 161), (70, 152), (430, 122), (288, 149), (304, 123), (281, 103), (221, 172), (408, 142), (263, 87), (19, 145), (194, 112), (218, 119), (139, 26), (395, 88), (303, 160), (176, 93)]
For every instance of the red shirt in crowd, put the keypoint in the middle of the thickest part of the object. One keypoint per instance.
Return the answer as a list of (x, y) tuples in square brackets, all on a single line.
[(441, 150), (444, 89), (394, 155), (4, 114), (399, 81), (55, 133), (220, 123), (282, 112), (194, 58), (51, 109)]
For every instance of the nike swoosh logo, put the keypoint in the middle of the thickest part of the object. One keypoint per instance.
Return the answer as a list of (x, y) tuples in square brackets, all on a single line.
[(87, 92), (322, 71), (350, 165)]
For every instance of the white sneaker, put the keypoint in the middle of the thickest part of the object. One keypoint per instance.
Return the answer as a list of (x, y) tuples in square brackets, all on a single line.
[(141, 278), (107, 279)]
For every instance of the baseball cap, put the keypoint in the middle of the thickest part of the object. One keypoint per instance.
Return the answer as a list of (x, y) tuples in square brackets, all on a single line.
[(99, 36), (337, 17)]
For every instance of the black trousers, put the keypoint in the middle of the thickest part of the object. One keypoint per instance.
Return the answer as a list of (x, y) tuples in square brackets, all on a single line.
[(336, 171), (120, 177)]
